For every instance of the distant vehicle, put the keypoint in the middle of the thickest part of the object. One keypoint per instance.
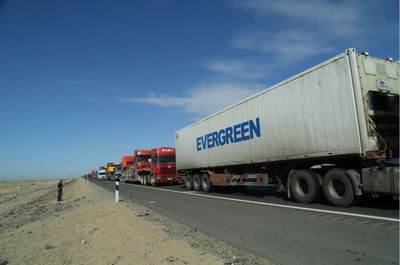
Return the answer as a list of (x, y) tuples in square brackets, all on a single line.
[(127, 175), (127, 162), (101, 174), (118, 172), (152, 167), (127, 168), (332, 129), (93, 174), (110, 171), (137, 168)]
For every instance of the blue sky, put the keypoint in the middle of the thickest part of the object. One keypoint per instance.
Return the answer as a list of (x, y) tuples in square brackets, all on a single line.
[(85, 82)]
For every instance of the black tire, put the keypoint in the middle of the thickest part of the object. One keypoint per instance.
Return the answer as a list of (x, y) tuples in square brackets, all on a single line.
[(304, 186), (189, 182), (206, 185), (196, 182), (337, 188)]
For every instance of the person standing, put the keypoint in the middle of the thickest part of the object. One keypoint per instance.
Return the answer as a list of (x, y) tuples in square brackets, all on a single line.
[(60, 190)]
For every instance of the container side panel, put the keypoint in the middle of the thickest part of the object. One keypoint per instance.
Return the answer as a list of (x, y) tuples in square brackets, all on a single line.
[(309, 116)]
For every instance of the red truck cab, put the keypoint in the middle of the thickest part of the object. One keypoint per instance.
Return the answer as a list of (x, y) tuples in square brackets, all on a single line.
[(127, 162), (163, 167), (142, 164)]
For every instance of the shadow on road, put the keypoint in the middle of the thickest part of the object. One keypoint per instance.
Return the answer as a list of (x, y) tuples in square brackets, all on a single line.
[(383, 202)]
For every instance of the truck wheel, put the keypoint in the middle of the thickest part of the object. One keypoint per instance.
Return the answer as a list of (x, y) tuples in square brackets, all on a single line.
[(189, 182), (205, 183), (337, 188), (304, 186), (196, 182)]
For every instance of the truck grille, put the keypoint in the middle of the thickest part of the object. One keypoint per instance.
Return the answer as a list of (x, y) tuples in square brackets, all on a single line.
[(166, 170)]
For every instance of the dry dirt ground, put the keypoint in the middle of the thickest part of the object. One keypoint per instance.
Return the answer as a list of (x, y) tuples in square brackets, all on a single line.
[(88, 227)]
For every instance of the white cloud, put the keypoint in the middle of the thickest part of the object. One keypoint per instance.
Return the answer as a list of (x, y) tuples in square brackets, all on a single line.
[(238, 68), (289, 45), (202, 100), (293, 30), (158, 100), (341, 18)]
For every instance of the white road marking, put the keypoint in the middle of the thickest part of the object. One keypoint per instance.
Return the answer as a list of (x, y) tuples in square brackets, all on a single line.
[(277, 205)]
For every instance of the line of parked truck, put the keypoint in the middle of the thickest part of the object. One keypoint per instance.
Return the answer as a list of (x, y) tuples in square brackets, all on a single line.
[(332, 130), (147, 167)]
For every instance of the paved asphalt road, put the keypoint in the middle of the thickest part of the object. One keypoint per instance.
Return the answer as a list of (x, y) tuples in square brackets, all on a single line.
[(274, 228)]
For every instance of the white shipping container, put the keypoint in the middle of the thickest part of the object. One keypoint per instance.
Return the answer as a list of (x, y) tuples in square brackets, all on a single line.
[(317, 113)]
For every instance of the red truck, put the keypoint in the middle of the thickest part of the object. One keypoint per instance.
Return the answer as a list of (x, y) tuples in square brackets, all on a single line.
[(127, 162), (127, 168), (141, 166), (163, 168)]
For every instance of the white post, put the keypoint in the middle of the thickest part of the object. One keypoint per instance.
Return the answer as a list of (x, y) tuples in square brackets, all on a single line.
[(116, 190)]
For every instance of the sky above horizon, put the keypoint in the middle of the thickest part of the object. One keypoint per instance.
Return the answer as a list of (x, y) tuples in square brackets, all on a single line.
[(85, 82)]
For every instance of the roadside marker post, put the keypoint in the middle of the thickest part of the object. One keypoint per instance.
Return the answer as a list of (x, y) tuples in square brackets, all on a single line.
[(117, 190)]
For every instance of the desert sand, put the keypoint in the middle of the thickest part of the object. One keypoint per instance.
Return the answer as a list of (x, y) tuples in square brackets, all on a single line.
[(88, 227)]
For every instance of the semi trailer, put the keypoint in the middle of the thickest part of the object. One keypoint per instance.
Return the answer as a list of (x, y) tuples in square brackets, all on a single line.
[(331, 130)]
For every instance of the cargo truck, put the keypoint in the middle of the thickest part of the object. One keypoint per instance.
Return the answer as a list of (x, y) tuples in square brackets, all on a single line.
[(163, 168), (141, 167), (110, 170), (127, 168), (331, 130), (127, 162)]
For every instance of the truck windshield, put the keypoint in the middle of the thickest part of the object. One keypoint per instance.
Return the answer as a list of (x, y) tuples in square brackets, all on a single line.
[(385, 103), (166, 160), (143, 158)]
